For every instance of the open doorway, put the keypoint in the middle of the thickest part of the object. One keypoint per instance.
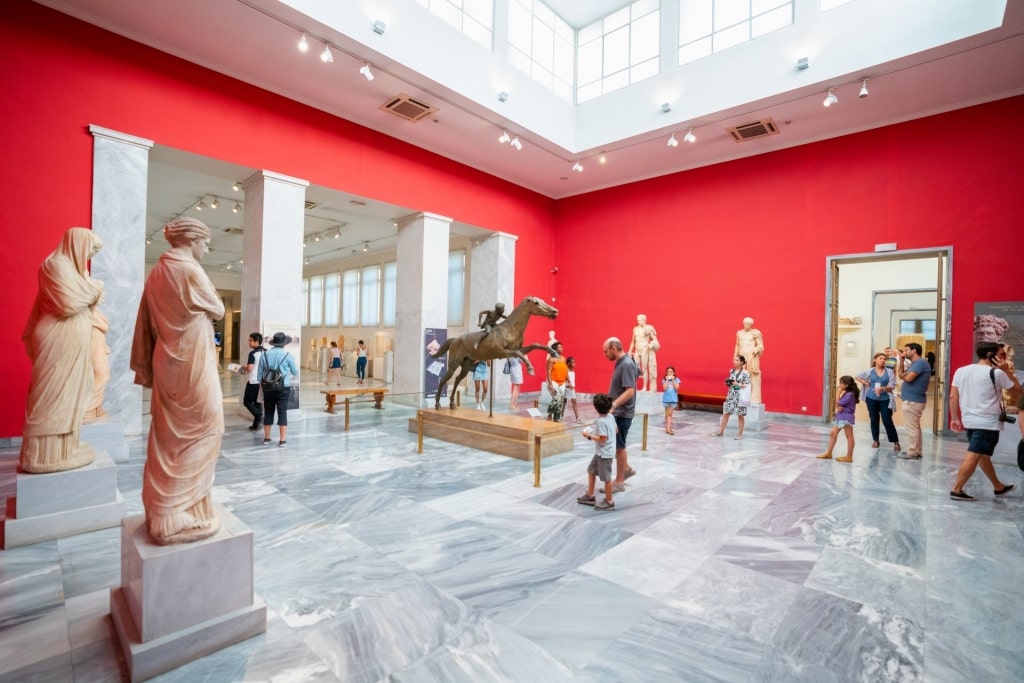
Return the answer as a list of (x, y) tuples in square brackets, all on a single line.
[(888, 299)]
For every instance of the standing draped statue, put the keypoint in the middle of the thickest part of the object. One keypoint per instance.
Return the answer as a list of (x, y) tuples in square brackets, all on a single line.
[(100, 367), (644, 349), (750, 345), (173, 352), (58, 340)]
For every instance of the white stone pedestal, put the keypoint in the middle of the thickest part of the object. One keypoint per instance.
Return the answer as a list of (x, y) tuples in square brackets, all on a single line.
[(177, 603), (649, 402), (107, 436), (757, 417), (58, 504)]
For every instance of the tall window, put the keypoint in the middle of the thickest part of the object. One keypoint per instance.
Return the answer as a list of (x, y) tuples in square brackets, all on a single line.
[(707, 26), (475, 18), (316, 301), (390, 293), (620, 49), (541, 44), (369, 297), (350, 298), (829, 4), (456, 288), (305, 302), (332, 299)]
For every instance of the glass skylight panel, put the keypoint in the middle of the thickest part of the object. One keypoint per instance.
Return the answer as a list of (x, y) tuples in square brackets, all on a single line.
[(475, 18), (541, 44), (829, 4), (619, 50), (707, 26)]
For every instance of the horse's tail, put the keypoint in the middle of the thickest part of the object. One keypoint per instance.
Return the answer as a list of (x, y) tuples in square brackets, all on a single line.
[(444, 348)]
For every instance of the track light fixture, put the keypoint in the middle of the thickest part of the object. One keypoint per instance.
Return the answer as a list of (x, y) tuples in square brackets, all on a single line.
[(366, 246), (690, 137), (237, 186), (602, 159), (379, 27), (149, 241), (365, 70), (215, 203), (672, 142), (863, 89), (306, 260), (201, 205), (317, 238), (578, 167), (503, 96), (666, 108), (303, 44), (504, 137), (515, 143), (238, 207), (326, 55), (830, 99)]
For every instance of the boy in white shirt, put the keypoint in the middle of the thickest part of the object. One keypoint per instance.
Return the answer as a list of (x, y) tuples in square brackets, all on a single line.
[(603, 435)]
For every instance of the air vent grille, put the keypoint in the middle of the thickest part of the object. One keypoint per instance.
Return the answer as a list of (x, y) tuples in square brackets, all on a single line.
[(754, 130), (408, 108), (233, 231)]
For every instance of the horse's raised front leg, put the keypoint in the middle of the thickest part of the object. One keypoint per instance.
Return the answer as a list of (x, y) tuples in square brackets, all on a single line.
[(532, 347)]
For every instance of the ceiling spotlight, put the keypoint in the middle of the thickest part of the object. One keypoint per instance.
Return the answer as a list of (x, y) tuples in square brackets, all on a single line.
[(802, 64), (666, 108), (303, 45), (337, 234), (379, 27), (394, 222), (601, 159), (690, 137), (672, 142), (365, 70), (241, 261), (228, 266), (305, 243), (237, 186), (366, 247), (830, 99), (578, 167), (863, 89), (201, 205), (238, 207), (306, 260), (503, 96), (504, 137), (215, 203), (149, 241), (515, 143), (326, 55), (317, 238)]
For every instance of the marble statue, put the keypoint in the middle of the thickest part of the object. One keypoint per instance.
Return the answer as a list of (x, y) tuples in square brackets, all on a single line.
[(750, 345), (644, 349), (58, 340), (100, 367), (173, 353)]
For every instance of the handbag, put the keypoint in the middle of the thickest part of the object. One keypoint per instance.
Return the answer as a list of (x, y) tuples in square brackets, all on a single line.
[(507, 370), (745, 396)]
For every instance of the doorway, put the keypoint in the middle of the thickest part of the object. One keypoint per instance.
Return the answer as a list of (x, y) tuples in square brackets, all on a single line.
[(884, 299)]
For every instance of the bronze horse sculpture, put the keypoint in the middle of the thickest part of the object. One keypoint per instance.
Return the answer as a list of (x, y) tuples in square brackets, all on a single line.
[(504, 341)]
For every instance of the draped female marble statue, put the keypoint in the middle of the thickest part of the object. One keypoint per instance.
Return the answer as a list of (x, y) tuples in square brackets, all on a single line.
[(750, 345), (173, 353), (57, 338), (644, 349)]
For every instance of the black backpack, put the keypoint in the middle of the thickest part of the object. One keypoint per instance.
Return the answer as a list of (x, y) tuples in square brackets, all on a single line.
[(273, 378)]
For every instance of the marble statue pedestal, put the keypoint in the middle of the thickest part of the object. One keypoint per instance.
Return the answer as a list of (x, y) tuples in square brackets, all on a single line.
[(649, 402), (58, 504), (757, 417), (108, 436), (177, 603)]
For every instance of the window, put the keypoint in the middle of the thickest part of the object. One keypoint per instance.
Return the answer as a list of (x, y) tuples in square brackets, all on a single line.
[(456, 288), (475, 18), (316, 301), (332, 299), (390, 293), (924, 327), (369, 297), (305, 301), (541, 44), (620, 49), (350, 298), (707, 26), (830, 4)]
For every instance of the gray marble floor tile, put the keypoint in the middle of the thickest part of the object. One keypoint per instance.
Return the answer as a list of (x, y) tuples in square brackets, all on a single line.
[(34, 645), (862, 578), (779, 667), (644, 565), (574, 540), (960, 657), (31, 583), (780, 556), (91, 561)]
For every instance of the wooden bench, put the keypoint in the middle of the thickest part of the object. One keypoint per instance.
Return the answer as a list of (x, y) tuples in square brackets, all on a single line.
[(333, 394), (712, 402)]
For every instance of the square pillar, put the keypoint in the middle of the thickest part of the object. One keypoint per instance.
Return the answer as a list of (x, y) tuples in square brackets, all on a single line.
[(492, 273)]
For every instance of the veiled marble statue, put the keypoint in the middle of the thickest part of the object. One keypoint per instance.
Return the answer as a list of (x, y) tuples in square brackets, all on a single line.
[(100, 367), (58, 340), (173, 353), (750, 345), (644, 349)]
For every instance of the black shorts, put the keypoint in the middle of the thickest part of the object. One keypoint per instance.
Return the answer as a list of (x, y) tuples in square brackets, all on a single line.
[(622, 425), (982, 441)]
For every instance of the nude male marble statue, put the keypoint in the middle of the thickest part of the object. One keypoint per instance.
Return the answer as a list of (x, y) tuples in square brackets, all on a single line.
[(750, 345), (644, 349)]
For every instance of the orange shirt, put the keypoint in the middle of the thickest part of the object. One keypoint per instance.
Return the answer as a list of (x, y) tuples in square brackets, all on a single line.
[(559, 371)]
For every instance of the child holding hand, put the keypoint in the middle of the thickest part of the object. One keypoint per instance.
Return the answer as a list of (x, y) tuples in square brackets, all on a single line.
[(603, 436)]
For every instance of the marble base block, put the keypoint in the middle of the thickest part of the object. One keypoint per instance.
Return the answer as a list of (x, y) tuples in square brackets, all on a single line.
[(59, 504), (757, 417), (177, 603), (107, 436)]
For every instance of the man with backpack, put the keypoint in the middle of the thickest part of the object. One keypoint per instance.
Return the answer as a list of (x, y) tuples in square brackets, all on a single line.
[(277, 367)]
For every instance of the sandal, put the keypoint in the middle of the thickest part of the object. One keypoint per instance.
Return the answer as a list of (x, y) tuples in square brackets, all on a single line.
[(716, 433), (896, 446), (844, 459), (825, 456), (874, 444)]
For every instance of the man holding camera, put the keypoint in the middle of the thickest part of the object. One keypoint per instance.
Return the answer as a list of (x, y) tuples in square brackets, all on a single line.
[(976, 398)]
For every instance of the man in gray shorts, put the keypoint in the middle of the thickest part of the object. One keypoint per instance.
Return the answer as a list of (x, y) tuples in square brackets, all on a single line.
[(623, 391)]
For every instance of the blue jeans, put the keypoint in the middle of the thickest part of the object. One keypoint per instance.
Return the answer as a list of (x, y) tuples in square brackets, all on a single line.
[(881, 409), (361, 367)]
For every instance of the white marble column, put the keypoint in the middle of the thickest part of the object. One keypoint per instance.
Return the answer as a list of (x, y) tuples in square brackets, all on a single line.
[(120, 173), (492, 278), (422, 296), (273, 227)]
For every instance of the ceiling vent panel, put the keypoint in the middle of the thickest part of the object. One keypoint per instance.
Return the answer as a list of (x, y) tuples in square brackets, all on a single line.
[(754, 130), (408, 108), (233, 231)]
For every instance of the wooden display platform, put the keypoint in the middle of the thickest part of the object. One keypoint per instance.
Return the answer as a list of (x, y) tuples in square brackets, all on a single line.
[(509, 435)]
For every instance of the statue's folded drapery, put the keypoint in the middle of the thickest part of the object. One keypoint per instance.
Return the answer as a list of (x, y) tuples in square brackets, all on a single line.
[(58, 340), (173, 352)]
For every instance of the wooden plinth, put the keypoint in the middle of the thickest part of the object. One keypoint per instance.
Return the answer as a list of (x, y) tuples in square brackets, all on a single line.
[(508, 435)]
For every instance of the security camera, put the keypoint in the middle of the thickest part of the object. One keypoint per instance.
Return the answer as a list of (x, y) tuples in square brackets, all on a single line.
[(554, 270)]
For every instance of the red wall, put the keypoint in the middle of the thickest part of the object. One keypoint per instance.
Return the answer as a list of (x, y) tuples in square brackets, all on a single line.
[(695, 251)]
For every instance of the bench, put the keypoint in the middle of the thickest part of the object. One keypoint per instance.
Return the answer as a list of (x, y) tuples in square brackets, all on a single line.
[(712, 402), (332, 396)]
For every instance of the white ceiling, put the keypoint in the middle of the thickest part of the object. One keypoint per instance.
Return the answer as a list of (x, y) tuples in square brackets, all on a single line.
[(626, 127)]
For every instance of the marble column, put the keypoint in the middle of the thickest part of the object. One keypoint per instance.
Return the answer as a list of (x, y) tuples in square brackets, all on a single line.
[(492, 274), (273, 227), (120, 172), (422, 296)]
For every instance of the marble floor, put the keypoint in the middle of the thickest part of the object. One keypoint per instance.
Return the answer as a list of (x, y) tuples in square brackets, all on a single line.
[(724, 560)]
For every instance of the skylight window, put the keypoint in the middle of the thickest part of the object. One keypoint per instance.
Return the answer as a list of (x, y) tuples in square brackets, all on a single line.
[(541, 44), (708, 26), (619, 50), (830, 4), (475, 18)]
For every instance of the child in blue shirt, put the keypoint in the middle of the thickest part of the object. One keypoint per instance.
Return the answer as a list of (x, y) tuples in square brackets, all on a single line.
[(846, 403), (671, 396), (603, 435)]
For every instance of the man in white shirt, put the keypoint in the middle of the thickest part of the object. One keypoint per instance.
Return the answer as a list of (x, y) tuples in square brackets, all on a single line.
[(252, 386), (975, 404)]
